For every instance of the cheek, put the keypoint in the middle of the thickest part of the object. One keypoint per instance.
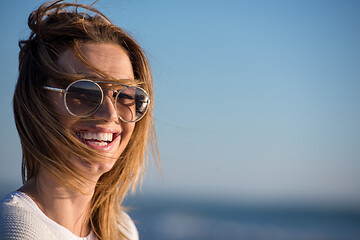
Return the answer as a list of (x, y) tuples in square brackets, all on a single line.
[(127, 134), (56, 104), (129, 129)]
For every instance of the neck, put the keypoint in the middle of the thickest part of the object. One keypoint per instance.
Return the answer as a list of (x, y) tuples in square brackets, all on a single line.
[(63, 205)]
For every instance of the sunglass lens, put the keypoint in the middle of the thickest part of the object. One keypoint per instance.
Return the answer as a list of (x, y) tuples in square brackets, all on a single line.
[(132, 103), (83, 98)]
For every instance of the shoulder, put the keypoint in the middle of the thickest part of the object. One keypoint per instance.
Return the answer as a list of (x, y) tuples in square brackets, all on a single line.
[(127, 226), (17, 221)]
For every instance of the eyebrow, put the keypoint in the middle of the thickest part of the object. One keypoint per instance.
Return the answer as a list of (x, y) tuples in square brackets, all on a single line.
[(94, 77)]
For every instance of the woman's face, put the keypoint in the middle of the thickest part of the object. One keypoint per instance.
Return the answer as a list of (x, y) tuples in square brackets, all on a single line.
[(103, 130)]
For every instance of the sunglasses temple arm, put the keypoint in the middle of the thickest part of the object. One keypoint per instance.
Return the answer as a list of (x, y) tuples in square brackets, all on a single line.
[(55, 89)]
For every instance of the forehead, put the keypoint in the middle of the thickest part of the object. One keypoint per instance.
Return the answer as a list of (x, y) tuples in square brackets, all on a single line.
[(110, 59)]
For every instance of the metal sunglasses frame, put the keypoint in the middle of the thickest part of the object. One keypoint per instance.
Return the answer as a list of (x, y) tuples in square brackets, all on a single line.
[(148, 101)]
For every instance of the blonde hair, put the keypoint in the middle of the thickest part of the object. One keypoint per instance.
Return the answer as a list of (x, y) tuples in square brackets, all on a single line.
[(56, 27)]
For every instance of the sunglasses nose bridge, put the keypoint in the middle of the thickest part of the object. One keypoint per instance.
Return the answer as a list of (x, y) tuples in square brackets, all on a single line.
[(108, 91)]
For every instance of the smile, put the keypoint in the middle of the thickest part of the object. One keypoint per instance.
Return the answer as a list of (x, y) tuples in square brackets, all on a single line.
[(99, 140)]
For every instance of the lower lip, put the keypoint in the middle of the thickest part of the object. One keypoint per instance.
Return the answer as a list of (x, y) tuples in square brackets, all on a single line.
[(108, 147)]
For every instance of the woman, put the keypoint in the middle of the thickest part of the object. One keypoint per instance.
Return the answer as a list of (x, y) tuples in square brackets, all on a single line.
[(83, 110)]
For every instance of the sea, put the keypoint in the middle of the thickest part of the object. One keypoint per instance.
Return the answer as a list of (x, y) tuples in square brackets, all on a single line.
[(174, 218)]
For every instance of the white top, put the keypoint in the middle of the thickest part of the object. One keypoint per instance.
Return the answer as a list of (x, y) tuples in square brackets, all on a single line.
[(21, 218)]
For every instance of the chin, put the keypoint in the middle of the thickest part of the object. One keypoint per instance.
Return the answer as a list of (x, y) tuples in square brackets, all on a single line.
[(94, 170), (103, 167)]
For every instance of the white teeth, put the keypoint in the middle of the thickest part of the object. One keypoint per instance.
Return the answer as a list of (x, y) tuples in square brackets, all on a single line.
[(108, 137), (98, 143), (94, 136)]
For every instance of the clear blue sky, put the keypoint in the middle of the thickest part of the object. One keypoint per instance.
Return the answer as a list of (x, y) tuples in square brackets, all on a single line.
[(254, 99)]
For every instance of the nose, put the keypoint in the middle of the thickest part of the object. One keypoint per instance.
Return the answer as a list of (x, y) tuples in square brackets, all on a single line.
[(107, 110)]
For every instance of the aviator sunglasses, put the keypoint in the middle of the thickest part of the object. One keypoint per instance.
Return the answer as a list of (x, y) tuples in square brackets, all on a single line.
[(84, 97)]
